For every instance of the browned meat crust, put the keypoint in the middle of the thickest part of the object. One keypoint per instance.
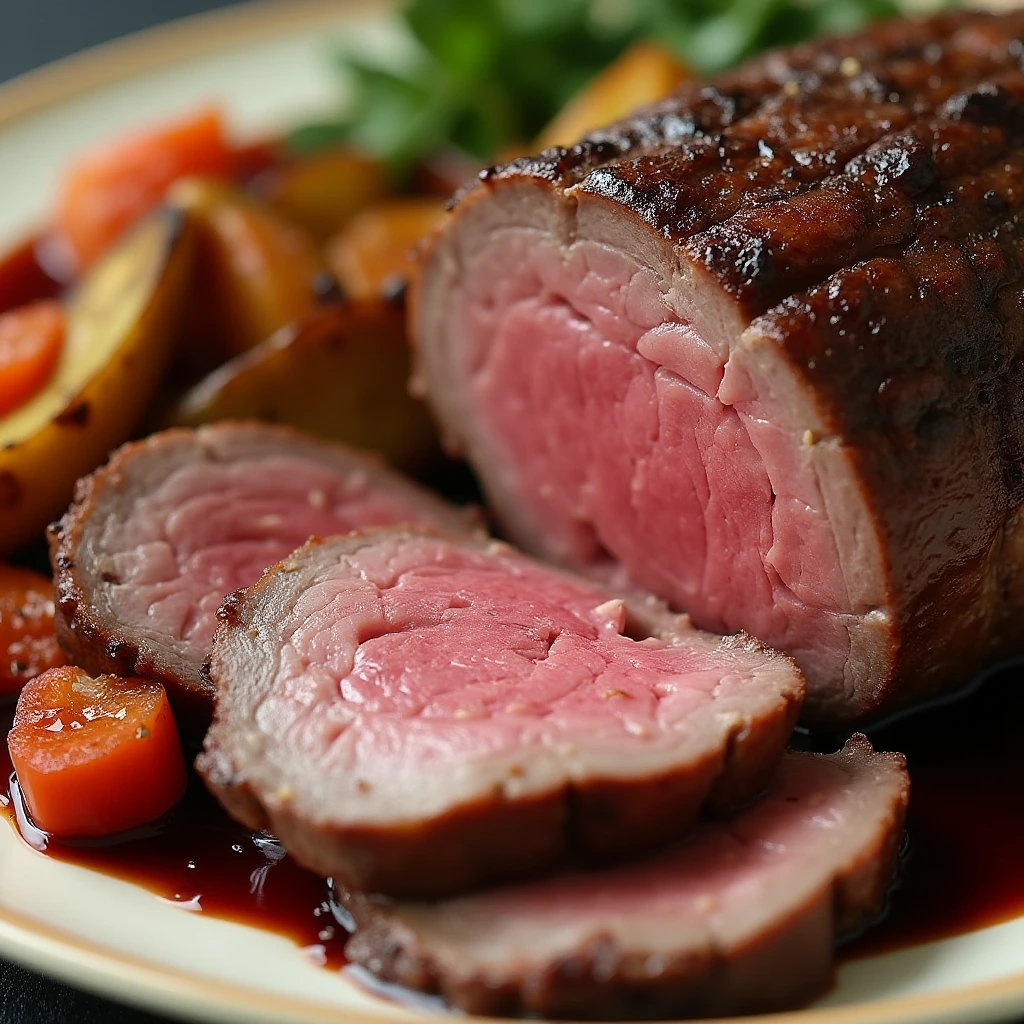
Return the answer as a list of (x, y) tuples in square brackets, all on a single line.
[(95, 641), (619, 968), (858, 203), (780, 125)]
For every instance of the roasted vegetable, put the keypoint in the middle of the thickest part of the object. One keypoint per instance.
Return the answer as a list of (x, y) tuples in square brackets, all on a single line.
[(341, 374), (28, 645), (255, 272), (644, 73), (376, 249), (119, 329), (108, 188), (95, 756), (323, 192)]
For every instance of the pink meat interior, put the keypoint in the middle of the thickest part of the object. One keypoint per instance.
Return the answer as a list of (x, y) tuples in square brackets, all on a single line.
[(443, 654), (722, 882), (212, 528), (619, 435)]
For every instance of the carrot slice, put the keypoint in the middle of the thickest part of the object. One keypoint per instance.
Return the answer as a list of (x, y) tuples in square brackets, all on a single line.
[(28, 645), (31, 340), (95, 756), (108, 188)]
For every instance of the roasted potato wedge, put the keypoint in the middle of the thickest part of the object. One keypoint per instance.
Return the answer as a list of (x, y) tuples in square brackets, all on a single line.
[(645, 73), (255, 272), (377, 247), (342, 374), (120, 328), (323, 192)]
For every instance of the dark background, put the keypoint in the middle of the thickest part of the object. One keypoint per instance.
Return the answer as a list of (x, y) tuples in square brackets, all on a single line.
[(33, 32)]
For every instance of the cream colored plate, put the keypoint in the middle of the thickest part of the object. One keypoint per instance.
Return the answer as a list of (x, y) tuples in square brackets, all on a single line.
[(269, 65)]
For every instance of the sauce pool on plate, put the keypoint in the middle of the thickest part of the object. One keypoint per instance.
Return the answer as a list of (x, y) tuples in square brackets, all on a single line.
[(202, 860), (961, 868)]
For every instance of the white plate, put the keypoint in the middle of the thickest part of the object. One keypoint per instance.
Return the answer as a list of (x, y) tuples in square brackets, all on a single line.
[(269, 65)]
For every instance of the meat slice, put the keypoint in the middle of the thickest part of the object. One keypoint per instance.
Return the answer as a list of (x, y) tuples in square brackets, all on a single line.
[(741, 918), (757, 350), (419, 715), (156, 538)]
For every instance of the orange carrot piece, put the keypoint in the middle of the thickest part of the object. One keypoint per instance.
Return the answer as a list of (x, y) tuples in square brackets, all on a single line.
[(95, 756), (28, 645), (31, 340), (110, 187)]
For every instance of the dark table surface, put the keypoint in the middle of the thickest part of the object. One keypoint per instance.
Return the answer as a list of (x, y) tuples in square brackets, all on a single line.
[(33, 32)]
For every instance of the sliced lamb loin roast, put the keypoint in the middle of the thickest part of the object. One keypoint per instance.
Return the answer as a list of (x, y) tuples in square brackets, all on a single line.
[(759, 349), (740, 918), (421, 715), (157, 537)]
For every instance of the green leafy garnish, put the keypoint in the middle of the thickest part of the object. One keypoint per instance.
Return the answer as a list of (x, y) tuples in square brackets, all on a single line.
[(485, 75)]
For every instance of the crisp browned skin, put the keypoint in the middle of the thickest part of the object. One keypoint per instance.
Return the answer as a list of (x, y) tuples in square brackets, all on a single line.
[(857, 204)]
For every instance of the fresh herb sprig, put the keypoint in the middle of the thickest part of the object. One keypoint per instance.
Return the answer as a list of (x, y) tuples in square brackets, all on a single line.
[(486, 75)]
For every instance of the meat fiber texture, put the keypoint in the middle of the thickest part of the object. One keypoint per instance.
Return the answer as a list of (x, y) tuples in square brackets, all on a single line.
[(419, 715), (740, 918), (758, 350), (157, 538)]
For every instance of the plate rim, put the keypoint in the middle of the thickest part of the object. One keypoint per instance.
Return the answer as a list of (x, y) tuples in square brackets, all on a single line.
[(136, 980), (184, 994), (168, 43)]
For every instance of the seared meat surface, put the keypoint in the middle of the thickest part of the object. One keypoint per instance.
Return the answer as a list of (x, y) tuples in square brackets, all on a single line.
[(758, 350)]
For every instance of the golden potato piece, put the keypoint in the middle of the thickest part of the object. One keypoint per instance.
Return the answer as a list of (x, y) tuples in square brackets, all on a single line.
[(323, 192), (341, 374), (378, 245), (255, 272), (120, 327), (645, 73)]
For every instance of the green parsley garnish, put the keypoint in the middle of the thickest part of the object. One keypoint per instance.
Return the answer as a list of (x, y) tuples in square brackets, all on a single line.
[(484, 75)]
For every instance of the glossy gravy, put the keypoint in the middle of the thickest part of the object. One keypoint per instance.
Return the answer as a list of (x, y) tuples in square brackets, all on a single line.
[(197, 856), (963, 866)]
